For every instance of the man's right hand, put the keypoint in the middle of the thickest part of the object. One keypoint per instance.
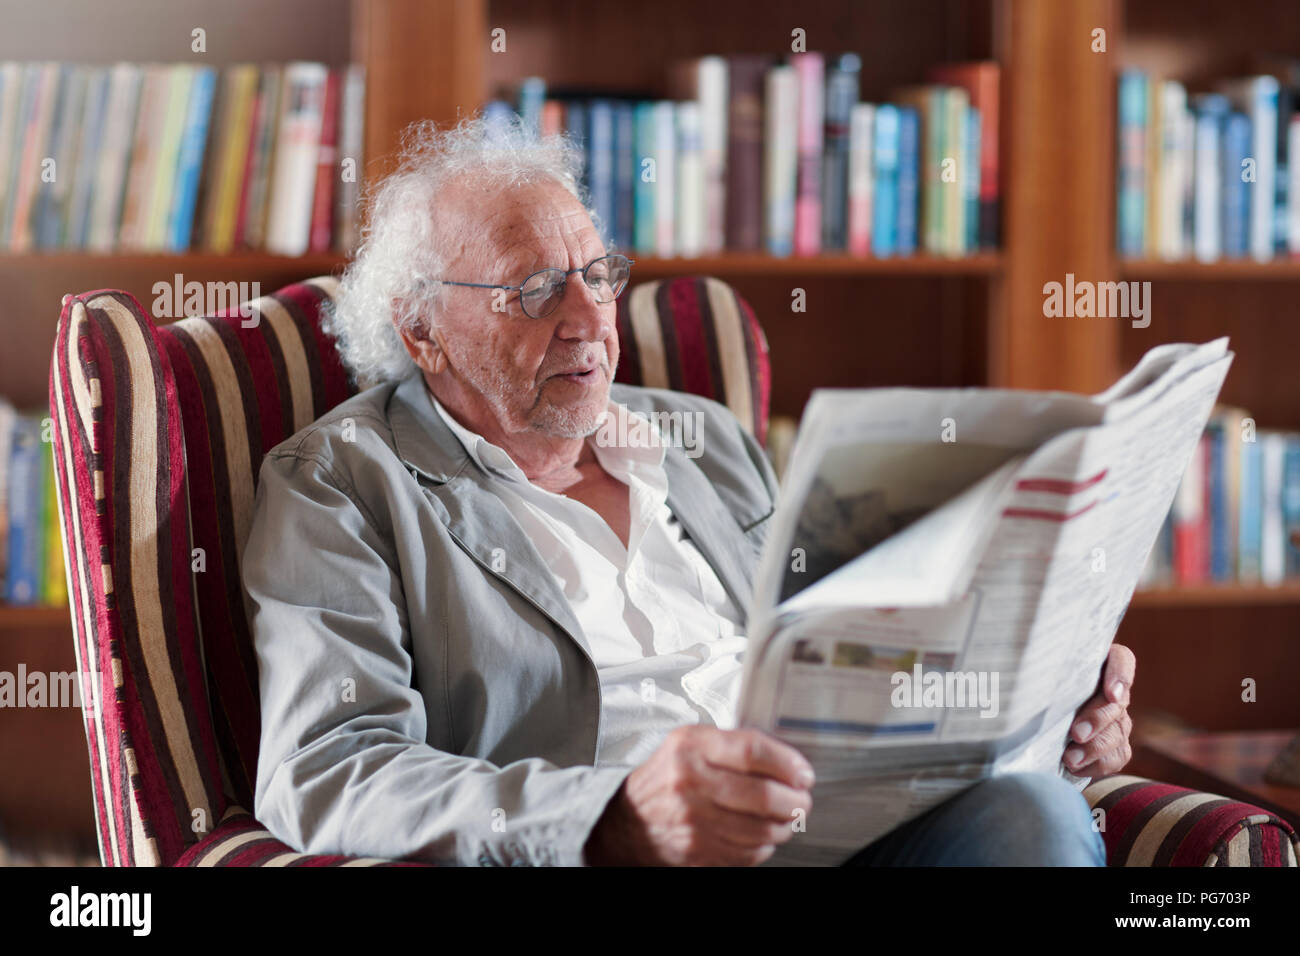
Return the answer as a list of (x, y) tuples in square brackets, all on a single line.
[(706, 797)]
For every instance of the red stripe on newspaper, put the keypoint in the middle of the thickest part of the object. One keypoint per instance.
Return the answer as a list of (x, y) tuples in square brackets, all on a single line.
[(1057, 487), (1039, 514)]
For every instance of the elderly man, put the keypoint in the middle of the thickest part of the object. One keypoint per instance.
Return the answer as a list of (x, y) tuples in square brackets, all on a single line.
[(459, 595)]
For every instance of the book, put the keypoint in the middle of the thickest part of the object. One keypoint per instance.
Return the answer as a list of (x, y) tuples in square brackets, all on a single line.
[(112, 170), (690, 179), (810, 69), (327, 157), (781, 158), (352, 151), (1257, 98), (841, 97), (982, 80), (909, 131), (884, 208), (1130, 220), (747, 115), (900, 561), (861, 125), (297, 152), (189, 159), (26, 492)]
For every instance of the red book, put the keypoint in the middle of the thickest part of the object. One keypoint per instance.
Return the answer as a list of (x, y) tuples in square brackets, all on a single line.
[(326, 167), (1191, 519), (250, 163)]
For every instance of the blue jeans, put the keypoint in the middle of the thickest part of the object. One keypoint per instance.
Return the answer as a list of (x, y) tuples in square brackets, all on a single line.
[(1026, 819)]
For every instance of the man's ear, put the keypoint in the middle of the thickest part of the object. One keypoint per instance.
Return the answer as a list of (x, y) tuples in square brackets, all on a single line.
[(425, 349)]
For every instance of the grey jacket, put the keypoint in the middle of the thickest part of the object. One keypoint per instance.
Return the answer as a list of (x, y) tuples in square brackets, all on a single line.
[(424, 690)]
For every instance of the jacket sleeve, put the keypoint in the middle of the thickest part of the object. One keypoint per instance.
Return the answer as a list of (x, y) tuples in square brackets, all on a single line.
[(343, 765)]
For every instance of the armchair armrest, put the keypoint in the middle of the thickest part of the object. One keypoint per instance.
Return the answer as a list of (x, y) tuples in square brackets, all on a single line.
[(239, 840), (1146, 823)]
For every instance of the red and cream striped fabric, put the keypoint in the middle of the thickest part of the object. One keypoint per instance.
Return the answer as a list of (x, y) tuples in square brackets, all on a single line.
[(696, 334), (1155, 824), (159, 434)]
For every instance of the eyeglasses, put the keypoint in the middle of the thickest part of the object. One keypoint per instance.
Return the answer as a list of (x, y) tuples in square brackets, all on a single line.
[(542, 291)]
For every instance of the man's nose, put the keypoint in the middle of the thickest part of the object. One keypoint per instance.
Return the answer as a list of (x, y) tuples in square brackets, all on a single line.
[(581, 316)]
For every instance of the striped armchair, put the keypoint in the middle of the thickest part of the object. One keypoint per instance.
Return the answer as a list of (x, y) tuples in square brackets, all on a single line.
[(159, 432)]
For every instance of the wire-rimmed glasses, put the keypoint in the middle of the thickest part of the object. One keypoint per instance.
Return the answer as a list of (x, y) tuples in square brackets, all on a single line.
[(542, 291)]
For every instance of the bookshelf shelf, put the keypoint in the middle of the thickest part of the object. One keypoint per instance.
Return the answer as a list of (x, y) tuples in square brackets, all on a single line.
[(234, 262), (1218, 595), (762, 264), (36, 617), (1230, 269)]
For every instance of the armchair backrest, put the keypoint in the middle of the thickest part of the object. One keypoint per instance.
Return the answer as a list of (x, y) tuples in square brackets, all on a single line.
[(159, 433)]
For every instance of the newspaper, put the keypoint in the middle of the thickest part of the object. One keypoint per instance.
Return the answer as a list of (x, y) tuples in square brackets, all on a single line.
[(944, 577)]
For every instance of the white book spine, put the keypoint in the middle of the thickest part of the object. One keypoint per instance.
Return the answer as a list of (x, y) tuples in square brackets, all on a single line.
[(712, 91), (690, 181), (1206, 230), (1293, 193), (297, 150), (781, 118), (1272, 558), (862, 119), (110, 169), (1173, 160), (11, 81), (665, 178)]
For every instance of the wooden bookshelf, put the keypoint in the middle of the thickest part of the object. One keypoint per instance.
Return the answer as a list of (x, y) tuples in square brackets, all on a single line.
[(1284, 270), (1218, 595), (920, 321)]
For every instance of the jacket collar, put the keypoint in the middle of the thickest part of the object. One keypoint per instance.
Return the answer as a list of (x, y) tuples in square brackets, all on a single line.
[(483, 525)]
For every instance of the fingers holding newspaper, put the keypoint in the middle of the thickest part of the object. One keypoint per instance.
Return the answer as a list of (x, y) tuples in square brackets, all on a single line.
[(706, 797), (1099, 740)]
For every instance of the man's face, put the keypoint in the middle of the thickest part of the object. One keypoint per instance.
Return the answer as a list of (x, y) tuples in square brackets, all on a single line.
[(550, 375)]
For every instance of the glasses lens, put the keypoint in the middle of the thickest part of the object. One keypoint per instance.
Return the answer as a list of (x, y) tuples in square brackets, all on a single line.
[(541, 292), (607, 276)]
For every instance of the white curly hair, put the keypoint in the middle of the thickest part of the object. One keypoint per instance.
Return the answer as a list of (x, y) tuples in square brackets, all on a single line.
[(387, 285)]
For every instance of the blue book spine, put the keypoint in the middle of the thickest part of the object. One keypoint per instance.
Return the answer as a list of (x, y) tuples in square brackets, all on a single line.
[(841, 95), (1236, 191), (1220, 524), (625, 170), (189, 162), (27, 102), (26, 493), (1251, 514), (971, 179), (909, 161), (77, 236), (884, 209), (532, 94), (46, 214), (575, 124), (643, 194), (1291, 502), (1131, 181), (601, 151)]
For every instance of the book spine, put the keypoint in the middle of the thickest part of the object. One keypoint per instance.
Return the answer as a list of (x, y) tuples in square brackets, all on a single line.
[(1220, 549), (189, 164), (1293, 220), (690, 180), (159, 208), (861, 125), (746, 185), (712, 82), (11, 89), (36, 143), (1272, 546), (841, 97), (1206, 230), (1250, 514), (1131, 207), (1191, 519), (532, 94), (114, 159), (1286, 106), (781, 160), (666, 171), (575, 122), (982, 81), (1173, 170), (1257, 98), (625, 171), (327, 157), (54, 584), (352, 144), (297, 148), (971, 180), (1291, 504), (909, 154), (957, 104), (884, 217), (601, 151), (76, 231), (53, 202), (1236, 191), (643, 195), (22, 583), (810, 70)]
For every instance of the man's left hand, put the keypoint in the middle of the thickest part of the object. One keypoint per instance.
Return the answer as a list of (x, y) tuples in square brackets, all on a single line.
[(1099, 743)]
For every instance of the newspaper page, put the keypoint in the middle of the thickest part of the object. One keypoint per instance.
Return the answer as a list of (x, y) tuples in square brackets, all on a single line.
[(932, 612)]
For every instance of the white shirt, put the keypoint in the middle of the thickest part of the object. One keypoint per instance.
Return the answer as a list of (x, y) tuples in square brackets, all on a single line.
[(666, 638)]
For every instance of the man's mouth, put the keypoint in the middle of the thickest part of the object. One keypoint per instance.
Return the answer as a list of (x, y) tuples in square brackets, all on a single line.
[(581, 377)]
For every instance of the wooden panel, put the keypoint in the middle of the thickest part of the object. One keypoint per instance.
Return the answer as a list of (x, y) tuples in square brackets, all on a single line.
[(238, 31), (1260, 320), (1191, 662), (875, 331), (629, 47), (1206, 40), (45, 786), (423, 61), (32, 288), (1059, 195)]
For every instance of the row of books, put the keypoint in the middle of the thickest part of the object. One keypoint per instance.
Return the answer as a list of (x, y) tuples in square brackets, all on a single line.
[(755, 154), (1210, 175), (31, 548), (173, 157), (1235, 508)]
